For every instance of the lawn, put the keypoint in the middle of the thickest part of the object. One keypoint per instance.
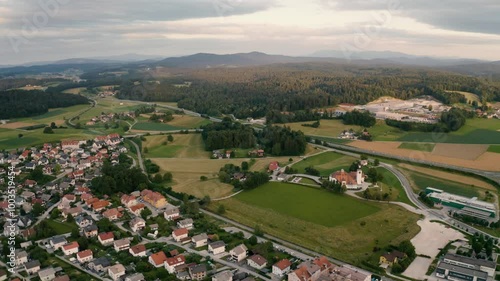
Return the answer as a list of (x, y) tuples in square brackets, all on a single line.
[(308, 204), (423, 181), (61, 227), (394, 185), (150, 126), (334, 225), (429, 147), (183, 146), (326, 163), (494, 148)]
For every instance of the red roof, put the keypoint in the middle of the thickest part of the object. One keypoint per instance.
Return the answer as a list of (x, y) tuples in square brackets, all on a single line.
[(106, 236), (177, 260), (273, 166), (84, 254), (138, 248), (283, 264), (180, 231), (139, 206), (159, 258), (342, 176), (71, 245)]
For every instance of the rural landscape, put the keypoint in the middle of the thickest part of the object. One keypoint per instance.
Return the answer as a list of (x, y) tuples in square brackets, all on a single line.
[(325, 157)]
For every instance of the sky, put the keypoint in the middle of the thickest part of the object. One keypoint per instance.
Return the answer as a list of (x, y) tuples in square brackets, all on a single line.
[(48, 30)]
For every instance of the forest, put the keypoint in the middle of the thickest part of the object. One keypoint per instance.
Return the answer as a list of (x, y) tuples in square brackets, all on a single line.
[(267, 90), (450, 121), (20, 103)]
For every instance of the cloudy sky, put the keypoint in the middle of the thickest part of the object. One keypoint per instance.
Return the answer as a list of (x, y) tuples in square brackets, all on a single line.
[(44, 30)]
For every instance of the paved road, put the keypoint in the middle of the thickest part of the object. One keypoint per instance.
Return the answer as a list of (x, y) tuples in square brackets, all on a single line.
[(77, 265), (139, 156), (47, 212)]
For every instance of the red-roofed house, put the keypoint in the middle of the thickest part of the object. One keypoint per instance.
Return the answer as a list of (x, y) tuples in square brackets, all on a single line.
[(84, 256), (137, 209), (282, 267), (112, 214), (273, 166), (352, 180), (138, 250), (157, 259), (70, 248), (106, 238), (180, 234), (128, 200), (100, 205), (173, 262)]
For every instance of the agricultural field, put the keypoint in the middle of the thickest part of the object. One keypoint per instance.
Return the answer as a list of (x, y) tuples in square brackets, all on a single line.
[(326, 163), (422, 181), (75, 91), (339, 226), (465, 155), (183, 146), (418, 146), (187, 121), (494, 148), (158, 127), (469, 96), (333, 128)]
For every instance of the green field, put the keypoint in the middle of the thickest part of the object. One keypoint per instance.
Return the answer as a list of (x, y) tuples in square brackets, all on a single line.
[(423, 181), (61, 227), (148, 126), (183, 146), (297, 201), (475, 131), (326, 163), (429, 147), (394, 185), (494, 148), (334, 225)]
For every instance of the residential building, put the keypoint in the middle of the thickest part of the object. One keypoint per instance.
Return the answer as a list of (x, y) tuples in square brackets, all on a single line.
[(138, 250), (90, 231), (57, 242), (32, 267), (187, 223), (62, 278), (282, 267), (21, 257), (47, 274), (345, 273), (84, 256), (198, 272), (122, 244), (200, 240), (137, 224), (106, 238), (135, 277), (257, 261), (137, 209), (225, 275), (70, 248), (171, 212), (391, 258), (128, 200), (116, 271), (239, 253), (217, 247), (112, 214), (180, 234), (154, 198), (173, 262), (100, 264), (157, 259)]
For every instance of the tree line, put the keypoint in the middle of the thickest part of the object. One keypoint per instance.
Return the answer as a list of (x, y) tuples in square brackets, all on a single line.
[(20, 103)]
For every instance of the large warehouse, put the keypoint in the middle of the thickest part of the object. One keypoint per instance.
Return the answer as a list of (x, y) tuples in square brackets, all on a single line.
[(467, 206)]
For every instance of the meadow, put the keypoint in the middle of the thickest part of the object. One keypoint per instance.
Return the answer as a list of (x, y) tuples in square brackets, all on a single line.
[(423, 181), (183, 146), (494, 148), (429, 147), (339, 226), (326, 163)]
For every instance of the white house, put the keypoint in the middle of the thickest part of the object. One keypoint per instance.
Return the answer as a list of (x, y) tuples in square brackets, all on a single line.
[(200, 240), (57, 242), (217, 247), (257, 261), (351, 180), (106, 238), (121, 245), (70, 248), (84, 256), (47, 274), (116, 271), (282, 267), (180, 234), (173, 262), (239, 253), (187, 223)]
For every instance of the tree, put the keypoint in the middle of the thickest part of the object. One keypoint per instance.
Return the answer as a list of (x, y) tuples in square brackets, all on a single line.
[(253, 240), (205, 201), (167, 177), (376, 162), (53, 125), (70, 219), (48, 130), (75, 234), (157, 178), (146, 150), (221, 209), (258, 231), (20, 135), (104, 225), (55, 214), (244, 166), (203, 178), (37, 209), (407, 247), (57, 168), (145, 213), (126, 128), (170, 138)]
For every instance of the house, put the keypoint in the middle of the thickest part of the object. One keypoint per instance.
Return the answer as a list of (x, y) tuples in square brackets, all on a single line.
[(200, 240), (171, 212), (69, 198), (47, 274), (122, 244), (137, 224), (135, 277), (180, 234), (391, 258), (83, 220), (345, 273), (257, 261), (217, 247), (99, 264), (352, 180), (21, 257), (28, 195), (32, 267), (225, 275), (198, 272), (116, 271), (112, 214), (106, 238), (273, 166), (24, 221), (70, 144), (72, 211), (62, 278), (128, 200), (137, 209), (173, 262), (84, 256), (70, 248), (100, 205), (57, 242), (312, 270), (30, 166), (90, 231), (138, 250), (157, 259), (154, 198), (282, 267), (187, 223), (239, 253)]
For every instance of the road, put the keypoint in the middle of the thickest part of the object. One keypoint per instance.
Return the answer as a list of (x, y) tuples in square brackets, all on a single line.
[(139, 156), (47, 212), (77, 265), (2, 264)]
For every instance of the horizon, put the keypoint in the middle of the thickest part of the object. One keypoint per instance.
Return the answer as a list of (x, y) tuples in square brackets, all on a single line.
[(37, 32)]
